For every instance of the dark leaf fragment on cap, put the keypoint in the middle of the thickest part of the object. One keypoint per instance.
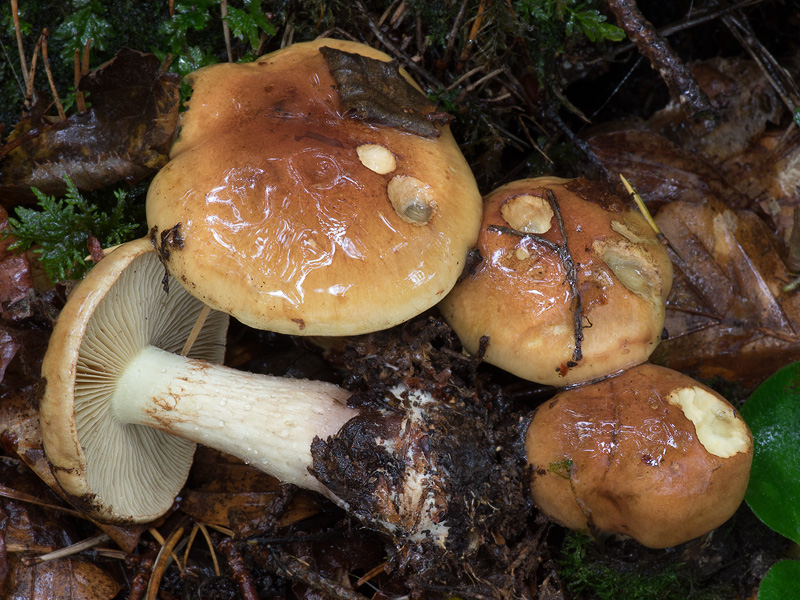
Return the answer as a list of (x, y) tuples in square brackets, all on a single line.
[(375, 91)]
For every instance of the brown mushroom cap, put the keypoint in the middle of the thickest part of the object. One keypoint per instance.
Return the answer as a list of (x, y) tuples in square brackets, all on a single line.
[(521, 295), (283, 210), (650, 453)]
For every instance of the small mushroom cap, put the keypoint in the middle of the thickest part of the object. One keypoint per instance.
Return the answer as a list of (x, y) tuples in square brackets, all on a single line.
[(285, 211), (650, 453), (520, 294), (118, 472)]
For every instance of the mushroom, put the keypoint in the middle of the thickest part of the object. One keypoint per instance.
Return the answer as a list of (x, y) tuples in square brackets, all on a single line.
[(649, 453), (121, 412), (315, 191), (571, 285)]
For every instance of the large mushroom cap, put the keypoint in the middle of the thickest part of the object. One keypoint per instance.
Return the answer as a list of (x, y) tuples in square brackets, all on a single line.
[(118, 472), (649, 453), (306, 204), (571, 285)]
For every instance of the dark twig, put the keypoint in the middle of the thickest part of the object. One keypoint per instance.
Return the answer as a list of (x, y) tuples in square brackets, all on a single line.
[(572, 276), (451, 39), (394, 50), (793, 259), (473, 35), (18, 34), (696, 18), (238, 571), (143, 567), (562, 250), (46, 60), (781, 81), (679, 79), (296, 569)]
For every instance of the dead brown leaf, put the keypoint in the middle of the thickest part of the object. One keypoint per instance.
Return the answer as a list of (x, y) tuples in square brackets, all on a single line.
[(63, 579), (744, 103), (15, 271), (661, 170), (727, 315), (21, 436), (31, 530), (123, 136), (228, 493)]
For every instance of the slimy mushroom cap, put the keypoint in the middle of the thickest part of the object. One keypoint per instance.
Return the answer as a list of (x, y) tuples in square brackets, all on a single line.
[(571, 285), (649, 453), (295, 213)]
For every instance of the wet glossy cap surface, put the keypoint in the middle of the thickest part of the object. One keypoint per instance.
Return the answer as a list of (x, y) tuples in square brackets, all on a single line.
[(285, 212), (604, 276), (650, 453)]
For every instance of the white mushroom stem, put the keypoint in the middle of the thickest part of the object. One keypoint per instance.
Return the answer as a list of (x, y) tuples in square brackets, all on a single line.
[(269, 422)]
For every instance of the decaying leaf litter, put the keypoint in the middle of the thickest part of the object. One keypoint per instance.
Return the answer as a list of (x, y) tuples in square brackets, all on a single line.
[(737, 177)]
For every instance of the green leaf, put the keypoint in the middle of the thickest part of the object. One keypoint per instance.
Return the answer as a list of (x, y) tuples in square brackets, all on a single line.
[(87, 23), (248, 25), (781, 582), (187, 15), (773, 414), (595, 28)]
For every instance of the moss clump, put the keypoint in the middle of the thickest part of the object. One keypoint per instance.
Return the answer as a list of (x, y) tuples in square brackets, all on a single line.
[(588, 571)]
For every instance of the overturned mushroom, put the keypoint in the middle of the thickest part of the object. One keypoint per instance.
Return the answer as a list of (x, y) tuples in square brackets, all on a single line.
[(649, 453), (121, 413), (571, 285), (315, 191)]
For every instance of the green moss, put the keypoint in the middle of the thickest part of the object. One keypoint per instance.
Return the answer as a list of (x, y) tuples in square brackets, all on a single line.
[(59, 229), (561, 468), (590, 573)]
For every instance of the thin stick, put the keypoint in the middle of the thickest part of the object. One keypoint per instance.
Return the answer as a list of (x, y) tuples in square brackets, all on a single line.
[(221, 529), (451, 39), (562, 250), (23, 63), (679, 79), (408, 64), (226, 31), (189, 544), (162, 560), (23, 497), (381, 568), (484, 79), (532, 142), (32, 72), (160, 539), (473, 34), (640, 204), (61, 114), (297, 569), (198, 326), (572, 277), (778, 77), (206, 535), (81, 69), (79, 99), (28, 548), (461, 79), (73, 549), (648, 217), (85, 58), (238, 570)]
